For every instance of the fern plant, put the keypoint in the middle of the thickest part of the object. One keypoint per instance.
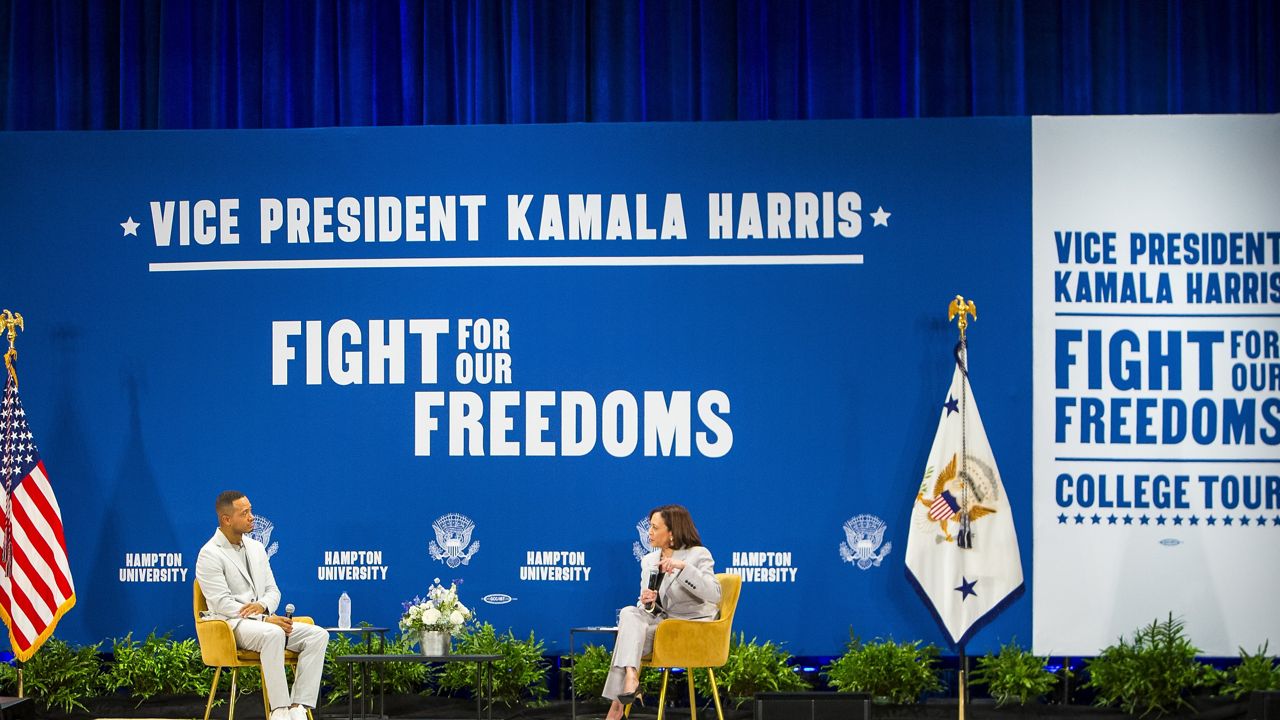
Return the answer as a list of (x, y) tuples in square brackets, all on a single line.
[(891, 671), (60, 676), (1153, 674), (521, 673), (1014, 674), (158, 665), (1255, 673)]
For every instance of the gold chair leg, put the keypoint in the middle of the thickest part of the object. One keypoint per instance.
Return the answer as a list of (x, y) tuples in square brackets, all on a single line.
[(715, 693), (231, 713), (693, 702), (213, 689), (662, 696), (266, 701)]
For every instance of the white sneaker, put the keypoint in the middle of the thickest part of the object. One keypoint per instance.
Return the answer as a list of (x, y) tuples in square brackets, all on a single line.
[(297, 713), (281, 713)]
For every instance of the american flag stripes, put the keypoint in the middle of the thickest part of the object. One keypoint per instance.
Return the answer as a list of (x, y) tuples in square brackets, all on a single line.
[(35, 578), (943, 507)]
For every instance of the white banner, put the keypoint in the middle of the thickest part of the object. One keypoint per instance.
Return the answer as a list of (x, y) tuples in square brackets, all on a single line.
[(1157, 379)]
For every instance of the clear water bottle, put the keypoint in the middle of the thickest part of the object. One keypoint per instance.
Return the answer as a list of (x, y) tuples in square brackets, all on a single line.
[(344, 611)]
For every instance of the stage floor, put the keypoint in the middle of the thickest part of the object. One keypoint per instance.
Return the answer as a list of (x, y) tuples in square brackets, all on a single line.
[(407, 707)]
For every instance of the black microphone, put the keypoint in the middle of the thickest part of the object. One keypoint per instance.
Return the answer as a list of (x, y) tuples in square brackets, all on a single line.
[(655, 582), (288, 611)]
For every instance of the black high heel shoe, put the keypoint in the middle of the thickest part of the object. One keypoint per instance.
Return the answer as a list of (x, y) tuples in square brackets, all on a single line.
[(627, 698)]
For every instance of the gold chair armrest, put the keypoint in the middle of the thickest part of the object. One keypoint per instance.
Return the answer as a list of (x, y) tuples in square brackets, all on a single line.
[(217, 643)]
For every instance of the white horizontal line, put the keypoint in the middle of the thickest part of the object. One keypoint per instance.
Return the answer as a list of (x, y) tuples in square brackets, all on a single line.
[(609, 261)]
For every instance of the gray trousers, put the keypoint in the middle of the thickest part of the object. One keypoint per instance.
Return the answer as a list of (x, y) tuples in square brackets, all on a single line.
[(270, 642), (635, 641)]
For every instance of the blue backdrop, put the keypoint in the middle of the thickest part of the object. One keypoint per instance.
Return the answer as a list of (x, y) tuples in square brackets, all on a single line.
[(149, 384)]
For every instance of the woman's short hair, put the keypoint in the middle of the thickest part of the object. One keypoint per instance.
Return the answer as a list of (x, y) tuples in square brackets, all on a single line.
[(680, 523)]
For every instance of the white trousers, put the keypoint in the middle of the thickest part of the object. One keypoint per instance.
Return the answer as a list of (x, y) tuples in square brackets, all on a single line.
[(635, 641), (270, 642)]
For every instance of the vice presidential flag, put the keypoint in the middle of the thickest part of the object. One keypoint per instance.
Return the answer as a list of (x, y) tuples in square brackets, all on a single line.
[(962, 551), (35, 580)]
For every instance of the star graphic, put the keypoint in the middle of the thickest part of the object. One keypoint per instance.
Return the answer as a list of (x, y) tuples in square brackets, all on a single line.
[(1195, 520), (1062, 519), (1260, 521), (1159, 519), (966, 588), (1144, 519), (1096, 519), (1111, 519), (1244, 520), (1226, 519), (1177, 519), (1211, 520), (1275, 520), (881, 217), (1128, 519), (952, 405), (130, 227), (1079, 519)]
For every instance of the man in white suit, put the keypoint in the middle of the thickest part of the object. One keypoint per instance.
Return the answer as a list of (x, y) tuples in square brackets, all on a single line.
[(235, 577)]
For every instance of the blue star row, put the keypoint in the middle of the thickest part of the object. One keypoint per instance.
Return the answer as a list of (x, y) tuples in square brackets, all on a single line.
[(1145, 519)]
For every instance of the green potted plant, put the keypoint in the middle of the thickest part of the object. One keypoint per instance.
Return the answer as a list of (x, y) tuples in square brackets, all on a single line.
[(59, 675), (891, 672), (1152, 674), (1255, 673), (1014, 675), (520, 674)]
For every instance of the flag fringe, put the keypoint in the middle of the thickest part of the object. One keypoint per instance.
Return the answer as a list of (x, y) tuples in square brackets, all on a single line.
[(25, 655)]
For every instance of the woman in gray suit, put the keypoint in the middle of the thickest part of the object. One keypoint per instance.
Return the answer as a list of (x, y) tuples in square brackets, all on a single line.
[(688, 589)]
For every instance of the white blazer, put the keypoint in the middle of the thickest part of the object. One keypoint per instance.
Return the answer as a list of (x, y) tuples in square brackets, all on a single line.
[(691, 593), (226, 585)]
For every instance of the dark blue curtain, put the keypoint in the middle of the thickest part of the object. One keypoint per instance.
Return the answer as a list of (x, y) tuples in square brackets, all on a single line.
[(133, 64)]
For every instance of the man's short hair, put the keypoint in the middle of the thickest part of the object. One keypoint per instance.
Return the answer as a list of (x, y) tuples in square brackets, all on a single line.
[(226, 500)]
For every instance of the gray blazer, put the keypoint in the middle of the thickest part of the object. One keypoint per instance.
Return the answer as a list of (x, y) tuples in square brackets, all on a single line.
[(220, 568), (692, 593)]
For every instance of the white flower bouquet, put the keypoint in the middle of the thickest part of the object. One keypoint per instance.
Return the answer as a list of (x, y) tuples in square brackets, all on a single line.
[(440, 611)]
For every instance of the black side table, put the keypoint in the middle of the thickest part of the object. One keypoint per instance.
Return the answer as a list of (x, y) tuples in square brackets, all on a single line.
[(367, 632), (573, 692)]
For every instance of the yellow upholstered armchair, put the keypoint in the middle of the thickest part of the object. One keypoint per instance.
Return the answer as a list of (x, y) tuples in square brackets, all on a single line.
[(696, 644), (218, 650)]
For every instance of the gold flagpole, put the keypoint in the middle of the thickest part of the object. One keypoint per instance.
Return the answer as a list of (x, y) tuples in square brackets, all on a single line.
[(962, 308), (12, 323)]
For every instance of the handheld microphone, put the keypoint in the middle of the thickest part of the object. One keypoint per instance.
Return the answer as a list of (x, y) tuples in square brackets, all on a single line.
[(655, 582), (288, 611)]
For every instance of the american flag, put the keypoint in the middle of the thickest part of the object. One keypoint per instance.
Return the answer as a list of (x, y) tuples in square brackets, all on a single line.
[(35, 579)]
